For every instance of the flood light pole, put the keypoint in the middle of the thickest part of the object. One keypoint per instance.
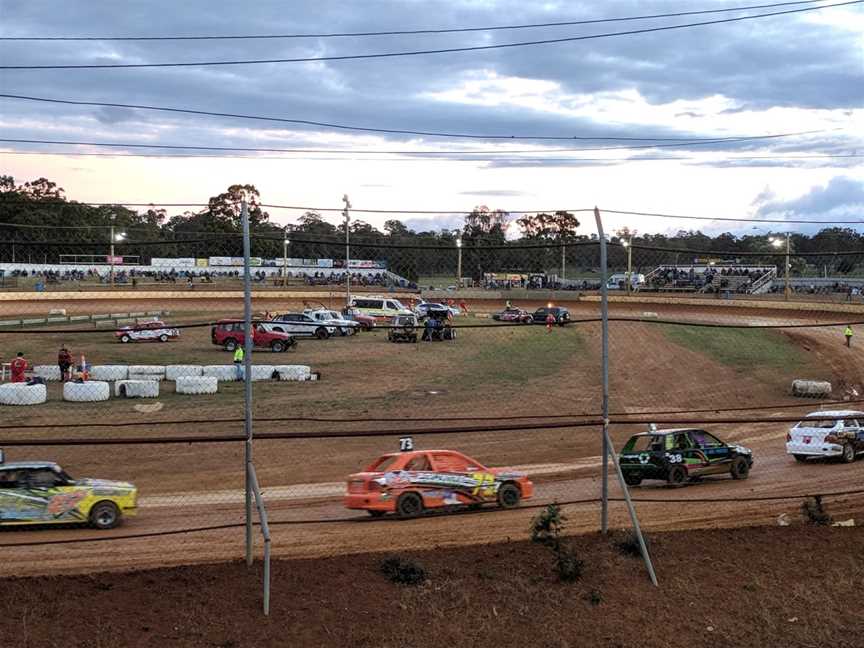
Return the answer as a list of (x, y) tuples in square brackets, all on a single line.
[(778, 243), (114, 237), (458, 262), (285, 243), (347, 217), (628, 245)]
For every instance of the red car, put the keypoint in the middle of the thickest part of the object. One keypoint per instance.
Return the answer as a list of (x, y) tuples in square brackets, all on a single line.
[(367, 322), (230, 334), (408, 483), (155, 331), (513, 315)]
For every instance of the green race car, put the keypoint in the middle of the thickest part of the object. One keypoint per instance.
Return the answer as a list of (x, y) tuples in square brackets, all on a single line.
[(681, 455)]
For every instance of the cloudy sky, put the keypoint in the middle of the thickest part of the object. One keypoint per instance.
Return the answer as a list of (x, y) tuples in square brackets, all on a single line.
[(774, 75)]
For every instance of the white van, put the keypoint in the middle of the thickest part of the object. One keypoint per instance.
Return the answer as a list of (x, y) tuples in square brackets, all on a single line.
[(819, 435), (379, 307), (618, 281)]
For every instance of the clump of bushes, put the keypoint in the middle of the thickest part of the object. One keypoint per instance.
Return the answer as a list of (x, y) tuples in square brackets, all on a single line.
[(403, 571), (628, 544), (546, 529), (814, 511)]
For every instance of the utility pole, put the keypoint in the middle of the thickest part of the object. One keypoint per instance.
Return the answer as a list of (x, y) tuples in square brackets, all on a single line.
[(458, 262), (786, 290), (111, 251), (285, 243), (347, 217), (248, 344), (629, 245), (563, 259)]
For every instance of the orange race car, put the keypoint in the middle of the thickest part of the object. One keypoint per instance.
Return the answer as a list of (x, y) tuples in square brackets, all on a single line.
[(411, 481)]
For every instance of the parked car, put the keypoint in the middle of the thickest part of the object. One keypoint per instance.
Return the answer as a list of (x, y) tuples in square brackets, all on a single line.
[(41, 492), (404, 329), (408, 483), (681, 455), (513, 315), (382, 308), (229, 334), (436, 326), (333, 318), (366, 322), (155, 331), (819, 435), (301, 325), (422, 309), (562, 315)]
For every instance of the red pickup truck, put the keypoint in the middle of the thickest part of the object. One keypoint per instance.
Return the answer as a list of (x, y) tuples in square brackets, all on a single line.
[(229, 334)]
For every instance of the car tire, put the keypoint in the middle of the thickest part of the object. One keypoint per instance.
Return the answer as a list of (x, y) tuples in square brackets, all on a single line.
[(321, 333), (376, 514), (409, 505), (125, 338), (230, 344), (632, 479), (848, 454), (163, 338), (105, 515), (277, 346), (800, 458), (740, 468), (509, 495), (677, 476)]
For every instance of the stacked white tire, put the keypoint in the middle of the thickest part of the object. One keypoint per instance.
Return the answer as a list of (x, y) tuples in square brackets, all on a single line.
[(109, 372), (146, 372), (811, 388), (22, 394), (294, 372), (263, 372), (89, 391), (173, 372), (222, 373), (196, 385), (137, 388), (50, 373)]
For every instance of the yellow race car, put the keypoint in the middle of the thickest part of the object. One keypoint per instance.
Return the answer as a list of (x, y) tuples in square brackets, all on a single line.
[(41, 492)]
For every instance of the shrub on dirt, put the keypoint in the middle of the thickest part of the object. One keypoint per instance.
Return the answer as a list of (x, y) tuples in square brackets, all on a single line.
[(628, 544), (403, 571), (814, 511), (546, 529)]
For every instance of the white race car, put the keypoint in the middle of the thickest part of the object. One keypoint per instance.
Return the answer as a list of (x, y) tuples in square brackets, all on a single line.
[(821, 435), (155, 331)]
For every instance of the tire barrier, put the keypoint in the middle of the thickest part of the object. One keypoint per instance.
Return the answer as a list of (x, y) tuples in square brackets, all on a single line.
[(87, 392), (47, 372), (109, 372), (173, 372), (22, 394), (196, 385), (147, 372), (263, 372), (294, 372), (811, 388), (137, 388), (226, 373)]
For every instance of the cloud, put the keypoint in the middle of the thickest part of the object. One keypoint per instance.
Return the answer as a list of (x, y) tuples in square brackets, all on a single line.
[(841, 199), (497, 193), (435, 223)]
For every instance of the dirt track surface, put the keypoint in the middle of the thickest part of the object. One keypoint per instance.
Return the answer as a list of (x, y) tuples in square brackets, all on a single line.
[(796, 587), (181, 482)]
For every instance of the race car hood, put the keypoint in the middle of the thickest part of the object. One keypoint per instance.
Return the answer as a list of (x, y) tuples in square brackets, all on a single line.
[(741, 449), (105, 485)]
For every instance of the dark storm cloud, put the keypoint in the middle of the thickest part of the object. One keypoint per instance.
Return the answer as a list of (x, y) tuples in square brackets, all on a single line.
[(781, 61)]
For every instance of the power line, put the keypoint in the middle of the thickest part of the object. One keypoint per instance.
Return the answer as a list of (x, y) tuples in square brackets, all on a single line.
[(424, 52), (183, 156), (456, 30), (465, 152)]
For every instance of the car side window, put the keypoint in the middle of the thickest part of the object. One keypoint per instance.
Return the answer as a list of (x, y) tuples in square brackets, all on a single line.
[(390, 304), (42, 478), (8, 479), (682, 441), (420, 462), (450, 463), (710, 441)]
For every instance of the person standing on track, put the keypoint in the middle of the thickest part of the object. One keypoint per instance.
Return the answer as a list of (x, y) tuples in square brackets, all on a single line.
[(848, 334), (550, 322), (239, 356), (64, 361), (18, 366)]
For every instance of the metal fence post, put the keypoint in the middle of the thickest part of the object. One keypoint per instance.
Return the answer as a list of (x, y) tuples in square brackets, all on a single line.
[(604, 307), (248, 345)]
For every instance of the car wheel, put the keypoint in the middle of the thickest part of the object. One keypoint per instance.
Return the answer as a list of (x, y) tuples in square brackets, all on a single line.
[(125, 338), (509, 495), (632, 479), (740, 469), (409, 505), (677, 476), (163, 338), (800, 458), (277, 346), (230, 345), (848, 455), (105, 515), (321, 333)]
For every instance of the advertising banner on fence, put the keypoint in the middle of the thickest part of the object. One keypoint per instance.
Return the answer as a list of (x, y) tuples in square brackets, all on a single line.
[(361, 263), (201, 263), (173, 263)]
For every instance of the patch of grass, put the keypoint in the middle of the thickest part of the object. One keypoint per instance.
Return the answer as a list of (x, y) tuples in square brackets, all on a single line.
[(739, 348), (628, 544), (403, 571), (814, 511)]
